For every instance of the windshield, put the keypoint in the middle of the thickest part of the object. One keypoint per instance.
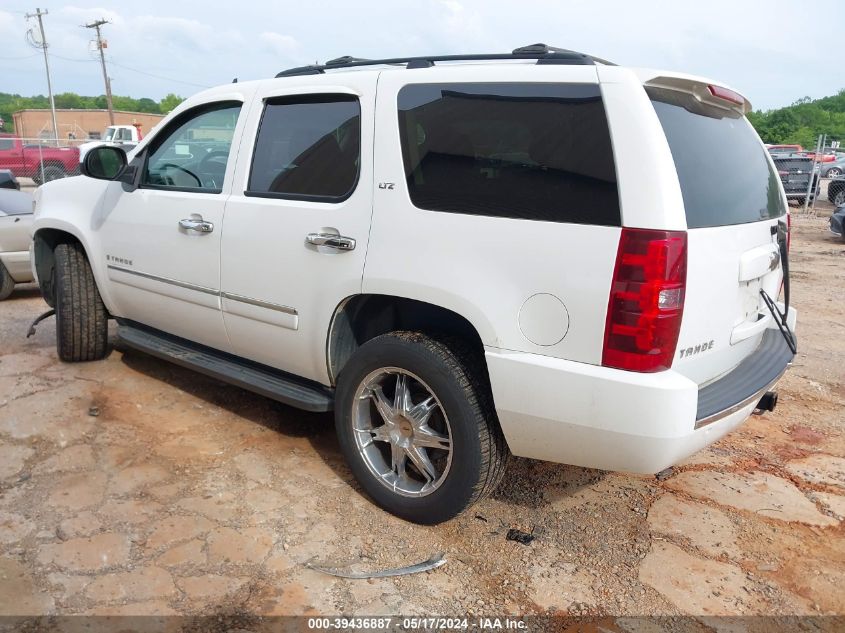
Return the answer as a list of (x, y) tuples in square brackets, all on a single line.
[(723, 169)]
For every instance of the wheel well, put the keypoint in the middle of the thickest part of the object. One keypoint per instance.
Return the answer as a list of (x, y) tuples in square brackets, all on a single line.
[(45, 242), (363, 317)]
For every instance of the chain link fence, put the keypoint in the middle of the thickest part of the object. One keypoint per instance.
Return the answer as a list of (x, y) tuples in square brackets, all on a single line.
[(813, 179)]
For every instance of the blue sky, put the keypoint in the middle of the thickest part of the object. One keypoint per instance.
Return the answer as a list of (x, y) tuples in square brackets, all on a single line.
[(773, 51)]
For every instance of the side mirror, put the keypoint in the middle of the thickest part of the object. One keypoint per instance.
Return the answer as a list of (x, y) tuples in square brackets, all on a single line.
[(104, 162)]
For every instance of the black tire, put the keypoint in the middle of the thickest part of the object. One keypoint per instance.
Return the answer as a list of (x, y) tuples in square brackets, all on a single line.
[(458, 380), (7, 284), (51, 172), (834, 172), (81, 317)]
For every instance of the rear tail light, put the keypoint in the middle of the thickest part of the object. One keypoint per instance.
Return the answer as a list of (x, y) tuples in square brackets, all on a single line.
[(646, 300)]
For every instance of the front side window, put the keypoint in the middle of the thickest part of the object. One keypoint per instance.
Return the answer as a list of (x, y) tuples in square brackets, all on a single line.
[(516, 150), (308, 148), (7, 143), (193, 152)]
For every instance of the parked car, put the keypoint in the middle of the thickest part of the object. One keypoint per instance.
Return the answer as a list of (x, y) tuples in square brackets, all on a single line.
[(42, 163), (794, 172), (823, 158), (784, 149), (15, 223), (836, 191), (837, 222), (834, 169), (8, 180), (463, 260), (127, 136)]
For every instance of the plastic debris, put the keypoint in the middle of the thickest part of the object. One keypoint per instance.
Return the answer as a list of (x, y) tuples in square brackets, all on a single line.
[(432, 563), (519, 536), (664, 474), (47, 314)]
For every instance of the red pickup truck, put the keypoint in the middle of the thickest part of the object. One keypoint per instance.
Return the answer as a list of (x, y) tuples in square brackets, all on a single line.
[(26, 160)]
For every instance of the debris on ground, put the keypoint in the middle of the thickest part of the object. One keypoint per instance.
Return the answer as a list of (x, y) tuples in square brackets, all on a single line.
[(519, 536), (664, 474), (427, 565)]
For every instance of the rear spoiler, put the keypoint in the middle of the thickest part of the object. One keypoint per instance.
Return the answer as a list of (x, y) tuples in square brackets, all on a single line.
[(705, 91)]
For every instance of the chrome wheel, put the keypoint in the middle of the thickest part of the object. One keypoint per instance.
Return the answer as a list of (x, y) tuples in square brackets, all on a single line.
[(401, 431), (834, 173), (839, 198)]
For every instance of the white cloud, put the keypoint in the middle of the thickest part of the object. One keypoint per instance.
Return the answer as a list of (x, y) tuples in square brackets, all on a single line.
[(208, 42), (278, 44)]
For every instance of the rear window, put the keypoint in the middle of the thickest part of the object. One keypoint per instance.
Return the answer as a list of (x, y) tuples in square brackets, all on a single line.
[(514, 150), (723, 169)]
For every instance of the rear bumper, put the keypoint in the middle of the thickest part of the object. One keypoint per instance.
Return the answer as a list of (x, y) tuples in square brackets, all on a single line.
[(17, 263), (585, 415)]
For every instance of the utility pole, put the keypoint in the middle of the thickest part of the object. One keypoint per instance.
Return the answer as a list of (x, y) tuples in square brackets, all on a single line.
[(43, 46), (100, 46)]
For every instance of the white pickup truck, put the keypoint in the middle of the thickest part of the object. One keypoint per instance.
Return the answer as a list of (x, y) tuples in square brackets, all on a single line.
[(127, 136)]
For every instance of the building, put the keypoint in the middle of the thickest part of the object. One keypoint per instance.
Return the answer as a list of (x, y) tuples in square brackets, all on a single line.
[(77, 124)]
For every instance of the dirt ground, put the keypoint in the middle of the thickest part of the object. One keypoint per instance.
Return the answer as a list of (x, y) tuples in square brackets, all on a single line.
[(131, 486)]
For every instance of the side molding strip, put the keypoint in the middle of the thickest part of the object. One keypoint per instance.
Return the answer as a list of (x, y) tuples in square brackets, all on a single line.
[(257, 302), (209, 291), (166, 280)]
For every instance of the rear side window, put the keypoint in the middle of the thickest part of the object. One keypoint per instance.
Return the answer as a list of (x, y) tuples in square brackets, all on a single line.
[(308, 148), (513, 150), (723, 169), (7, 143)]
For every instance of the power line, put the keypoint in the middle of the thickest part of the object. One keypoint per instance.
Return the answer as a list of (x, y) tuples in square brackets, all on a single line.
[(96, 25), (148, 74), (71, 59), (20, 57)]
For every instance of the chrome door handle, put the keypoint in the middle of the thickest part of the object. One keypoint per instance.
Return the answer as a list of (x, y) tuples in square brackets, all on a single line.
[(331, 241), (200, 226)]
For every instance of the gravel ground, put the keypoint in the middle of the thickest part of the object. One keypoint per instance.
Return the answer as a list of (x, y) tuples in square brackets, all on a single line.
[(133, 487)]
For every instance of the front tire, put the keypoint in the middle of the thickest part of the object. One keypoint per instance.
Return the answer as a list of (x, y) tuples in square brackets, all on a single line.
[(834, 172), (81, 316), (416, 424), (7, 284)]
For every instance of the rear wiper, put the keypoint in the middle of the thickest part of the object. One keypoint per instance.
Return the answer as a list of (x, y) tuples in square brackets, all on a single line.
[(781, 317)]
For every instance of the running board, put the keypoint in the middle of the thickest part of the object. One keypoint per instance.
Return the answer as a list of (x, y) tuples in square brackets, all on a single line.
[(260, 379)]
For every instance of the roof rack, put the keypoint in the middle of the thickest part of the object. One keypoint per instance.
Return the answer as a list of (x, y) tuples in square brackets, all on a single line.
[(543, 53)]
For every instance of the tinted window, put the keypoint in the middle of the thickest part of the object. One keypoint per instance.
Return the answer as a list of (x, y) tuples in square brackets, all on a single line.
[(7, 143), (308, 148), (723, 169), (192, 153), (530, 151)]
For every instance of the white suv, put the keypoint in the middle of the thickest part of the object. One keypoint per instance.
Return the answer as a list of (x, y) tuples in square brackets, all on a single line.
[(535, 253)]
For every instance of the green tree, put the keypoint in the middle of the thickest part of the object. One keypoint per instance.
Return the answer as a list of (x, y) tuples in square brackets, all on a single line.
[(170, 102)]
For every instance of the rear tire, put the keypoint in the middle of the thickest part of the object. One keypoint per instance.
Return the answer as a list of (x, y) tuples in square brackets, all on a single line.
[(81, 317), (461, 470), (834, 172), (7, 284), (51, 172)]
